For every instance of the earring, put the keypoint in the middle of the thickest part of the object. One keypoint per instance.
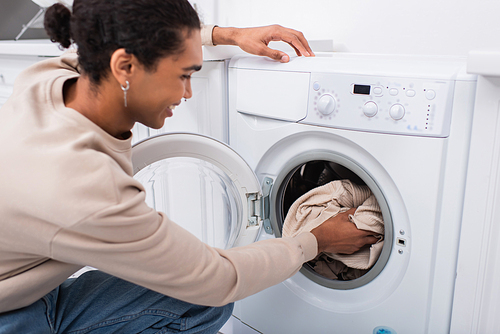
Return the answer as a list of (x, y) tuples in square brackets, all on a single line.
[(125, 89)]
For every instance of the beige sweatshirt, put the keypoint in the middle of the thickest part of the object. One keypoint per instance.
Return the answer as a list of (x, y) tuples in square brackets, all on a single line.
[(68, 199)]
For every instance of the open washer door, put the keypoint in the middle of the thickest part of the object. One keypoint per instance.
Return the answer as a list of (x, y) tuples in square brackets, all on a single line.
[(201, 184)]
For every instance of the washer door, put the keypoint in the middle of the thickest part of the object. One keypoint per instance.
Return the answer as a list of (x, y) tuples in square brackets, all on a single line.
[(201, 184), (297, 154)]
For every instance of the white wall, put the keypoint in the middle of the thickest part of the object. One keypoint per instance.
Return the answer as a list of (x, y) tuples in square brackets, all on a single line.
[(435, 27)]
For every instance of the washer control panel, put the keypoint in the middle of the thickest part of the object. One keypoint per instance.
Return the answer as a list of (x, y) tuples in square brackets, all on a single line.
[(411, 106)]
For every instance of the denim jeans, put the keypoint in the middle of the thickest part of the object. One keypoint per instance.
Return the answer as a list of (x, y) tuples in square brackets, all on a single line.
[(98, 303)]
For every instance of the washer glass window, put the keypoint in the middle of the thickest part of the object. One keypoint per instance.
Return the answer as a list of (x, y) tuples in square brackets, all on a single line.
[(195, 194)]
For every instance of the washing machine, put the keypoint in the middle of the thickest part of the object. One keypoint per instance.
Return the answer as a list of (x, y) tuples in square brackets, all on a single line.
[(398, 124)]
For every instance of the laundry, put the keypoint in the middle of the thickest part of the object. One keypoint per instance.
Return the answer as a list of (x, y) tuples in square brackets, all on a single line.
[(321, 203), (334, 269)]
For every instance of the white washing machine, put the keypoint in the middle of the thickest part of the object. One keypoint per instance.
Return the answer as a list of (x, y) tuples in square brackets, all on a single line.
[(400, 125)]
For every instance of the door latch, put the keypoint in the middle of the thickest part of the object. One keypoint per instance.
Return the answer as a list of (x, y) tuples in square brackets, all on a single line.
[(266, 204)]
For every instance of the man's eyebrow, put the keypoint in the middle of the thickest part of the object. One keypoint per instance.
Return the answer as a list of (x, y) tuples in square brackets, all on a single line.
[(192, 68)]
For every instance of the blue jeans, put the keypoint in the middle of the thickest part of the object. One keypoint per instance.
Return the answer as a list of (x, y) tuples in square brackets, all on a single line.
[(98, 303)]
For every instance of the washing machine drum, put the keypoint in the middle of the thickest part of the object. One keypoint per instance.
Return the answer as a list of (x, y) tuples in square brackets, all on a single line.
[(307, 175)]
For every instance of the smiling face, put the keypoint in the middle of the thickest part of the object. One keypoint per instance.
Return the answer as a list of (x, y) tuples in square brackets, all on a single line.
[(153, 93)]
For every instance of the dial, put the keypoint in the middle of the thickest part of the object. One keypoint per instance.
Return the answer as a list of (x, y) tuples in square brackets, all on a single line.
[(397, 112), (370, 109), (326, 104)]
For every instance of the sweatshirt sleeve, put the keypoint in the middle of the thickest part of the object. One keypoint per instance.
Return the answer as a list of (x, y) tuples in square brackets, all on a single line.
[(206, 34), (132, 241)]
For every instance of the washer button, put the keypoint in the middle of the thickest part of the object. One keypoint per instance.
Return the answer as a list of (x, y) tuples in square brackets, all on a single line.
[(430, 94), (410, 93), (377, 91), (393, 91), (316, 86)]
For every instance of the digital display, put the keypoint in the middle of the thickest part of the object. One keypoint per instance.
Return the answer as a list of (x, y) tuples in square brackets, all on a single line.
[(361, 89)]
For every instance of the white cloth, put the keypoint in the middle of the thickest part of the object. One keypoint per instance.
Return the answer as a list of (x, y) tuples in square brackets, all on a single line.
[(321, 203)]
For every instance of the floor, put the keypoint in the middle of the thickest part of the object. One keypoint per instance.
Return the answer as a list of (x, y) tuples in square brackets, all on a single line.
[(235, 326)]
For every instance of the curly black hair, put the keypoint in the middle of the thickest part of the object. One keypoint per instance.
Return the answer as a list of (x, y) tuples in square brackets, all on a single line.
[(148, 29)]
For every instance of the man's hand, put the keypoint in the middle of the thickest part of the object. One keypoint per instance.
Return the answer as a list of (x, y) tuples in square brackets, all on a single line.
[(340, 236), (256, 40)]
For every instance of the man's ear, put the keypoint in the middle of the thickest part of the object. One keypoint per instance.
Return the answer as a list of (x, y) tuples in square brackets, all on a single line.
[(123, 66)]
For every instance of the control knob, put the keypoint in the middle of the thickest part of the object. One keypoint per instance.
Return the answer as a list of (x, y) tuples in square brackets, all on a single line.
[(326, 104), (370, 109), (397, 112)]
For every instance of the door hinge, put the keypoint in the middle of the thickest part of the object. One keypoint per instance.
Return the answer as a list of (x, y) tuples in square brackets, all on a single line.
[(254, 210), (259, 207)]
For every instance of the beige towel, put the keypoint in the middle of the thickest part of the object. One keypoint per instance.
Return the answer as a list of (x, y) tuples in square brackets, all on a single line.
[(316, 206)]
